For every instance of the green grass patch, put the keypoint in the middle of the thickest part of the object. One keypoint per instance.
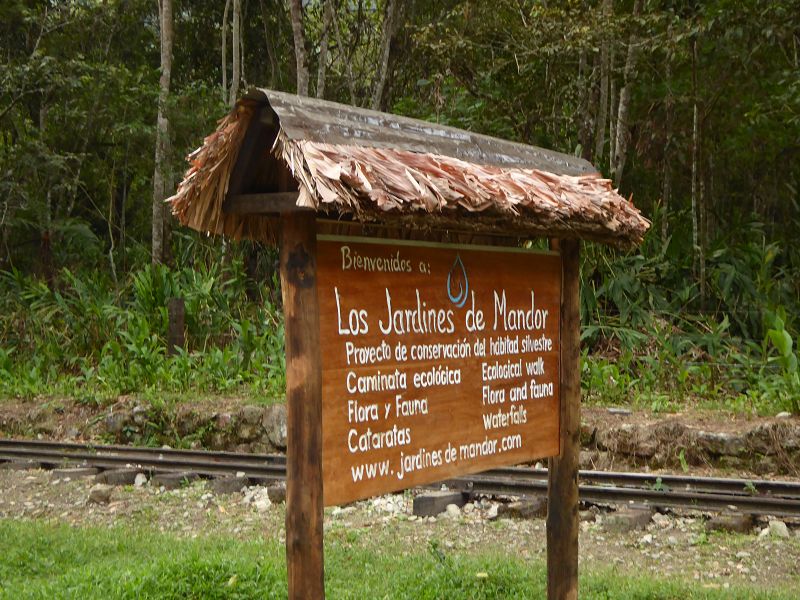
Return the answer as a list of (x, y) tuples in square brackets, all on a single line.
[(54, 561)]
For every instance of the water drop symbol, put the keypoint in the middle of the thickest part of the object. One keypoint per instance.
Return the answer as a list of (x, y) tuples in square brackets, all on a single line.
[(457, 278)]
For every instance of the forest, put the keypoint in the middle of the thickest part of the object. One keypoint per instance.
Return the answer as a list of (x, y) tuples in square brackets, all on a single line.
[(691, 108)]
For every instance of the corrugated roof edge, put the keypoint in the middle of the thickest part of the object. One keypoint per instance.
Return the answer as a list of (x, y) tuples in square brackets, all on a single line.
[(311, 119)]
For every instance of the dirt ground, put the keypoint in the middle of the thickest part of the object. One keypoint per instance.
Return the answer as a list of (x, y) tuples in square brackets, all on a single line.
[(673, 546)]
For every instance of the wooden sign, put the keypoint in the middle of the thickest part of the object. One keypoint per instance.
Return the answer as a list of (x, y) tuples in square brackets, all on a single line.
[(437, 361)]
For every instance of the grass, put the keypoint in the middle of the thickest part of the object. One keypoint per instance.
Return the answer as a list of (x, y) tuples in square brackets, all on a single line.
[(41, 560)]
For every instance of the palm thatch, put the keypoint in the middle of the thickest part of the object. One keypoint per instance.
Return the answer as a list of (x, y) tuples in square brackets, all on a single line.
[(376, 180)]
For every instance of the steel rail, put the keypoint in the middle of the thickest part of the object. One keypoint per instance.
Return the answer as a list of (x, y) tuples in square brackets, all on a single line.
[(655, 481), (757, 505), (779, 498)]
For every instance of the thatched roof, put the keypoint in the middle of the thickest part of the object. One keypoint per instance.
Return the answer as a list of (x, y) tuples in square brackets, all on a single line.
[(353, 164)]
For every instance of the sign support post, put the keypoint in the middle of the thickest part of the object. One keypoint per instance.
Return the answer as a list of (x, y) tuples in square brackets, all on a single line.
[(298, 266), (562, 489)]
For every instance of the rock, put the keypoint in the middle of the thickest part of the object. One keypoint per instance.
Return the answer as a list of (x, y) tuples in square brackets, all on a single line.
[(778, 529), (452, 511), (662, 521), (258, 497), (624, 412), (248, 423), (587, 516), (218, 440), (588, 459), (742, 554), (187, 421), (139, 415), (720, 444), (783, 415), (761, 439), (274, 424), (433, 503), (140, 480), (627, 519), (118, 476), (523, 509), (763, 533), (100, 493), (340, 511), (731, 522), (228, 485), (588, 434), (115, 422), (627, 439), (469, 508), (646, 539), (277, 493), (73, 473), (173, 481), (491, 514), (391, 503), (251, 415), (222, 421)]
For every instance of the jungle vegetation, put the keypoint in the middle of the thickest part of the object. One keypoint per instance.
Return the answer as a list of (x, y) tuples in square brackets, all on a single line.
[(693, 108)]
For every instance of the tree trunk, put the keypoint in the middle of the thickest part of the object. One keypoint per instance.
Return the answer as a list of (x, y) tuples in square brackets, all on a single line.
[(236, 48), (586, 80), (327, 20), (296, 10), (695, 142), (666, 187), (623, 129), (274, 72), (602, 112), (225, 51), (161, 171), (351, 81), (612, 105), (390, 25)]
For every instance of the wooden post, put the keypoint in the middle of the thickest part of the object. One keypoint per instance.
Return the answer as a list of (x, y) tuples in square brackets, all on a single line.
[(298, 261), (562, 485), (176, 313)]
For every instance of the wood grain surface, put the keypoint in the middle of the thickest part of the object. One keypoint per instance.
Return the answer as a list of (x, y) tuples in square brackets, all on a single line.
[(437, 361)]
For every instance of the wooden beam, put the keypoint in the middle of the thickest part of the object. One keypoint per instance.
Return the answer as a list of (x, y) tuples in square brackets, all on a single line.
[(562, 486), (257, 140), (298, 261), (260, 204)]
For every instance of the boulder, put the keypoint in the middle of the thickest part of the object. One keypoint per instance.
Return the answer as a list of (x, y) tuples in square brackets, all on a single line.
[(535, 508), (115, 422), (274, 424), (720, 443), (276, 493), (100, 493)]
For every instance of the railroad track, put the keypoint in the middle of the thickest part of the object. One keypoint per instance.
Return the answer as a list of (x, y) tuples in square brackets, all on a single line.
[(758, 497)]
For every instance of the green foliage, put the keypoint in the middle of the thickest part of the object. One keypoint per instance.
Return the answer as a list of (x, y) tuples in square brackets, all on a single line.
[(84, 313), (89, 338), (49, 561)]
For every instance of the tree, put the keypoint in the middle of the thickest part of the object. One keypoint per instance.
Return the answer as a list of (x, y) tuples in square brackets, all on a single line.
[(299, 46), (161, 172)]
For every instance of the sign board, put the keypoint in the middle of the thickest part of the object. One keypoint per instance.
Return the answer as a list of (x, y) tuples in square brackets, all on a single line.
[(437, 361)]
